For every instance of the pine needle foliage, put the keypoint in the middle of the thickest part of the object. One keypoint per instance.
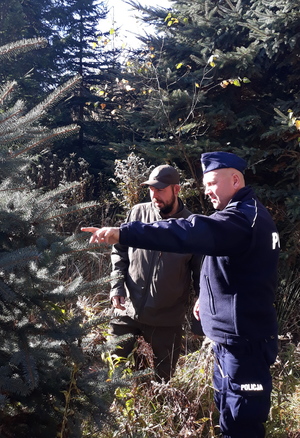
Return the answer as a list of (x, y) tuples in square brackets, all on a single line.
[(46, 347), (11, 50), (225, 76)]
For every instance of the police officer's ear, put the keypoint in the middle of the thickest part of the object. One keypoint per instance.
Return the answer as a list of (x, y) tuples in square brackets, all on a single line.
[(238, 180)]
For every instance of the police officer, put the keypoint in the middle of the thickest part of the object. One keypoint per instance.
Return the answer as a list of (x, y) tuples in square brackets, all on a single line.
[(237, 287)]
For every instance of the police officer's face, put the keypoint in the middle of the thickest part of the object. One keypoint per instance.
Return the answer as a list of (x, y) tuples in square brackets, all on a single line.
[(165, 200), (220, 185)]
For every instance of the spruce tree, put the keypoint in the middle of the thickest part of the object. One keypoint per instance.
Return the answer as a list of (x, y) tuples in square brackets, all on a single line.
[(46, 348), (79, 40), (224, 76)]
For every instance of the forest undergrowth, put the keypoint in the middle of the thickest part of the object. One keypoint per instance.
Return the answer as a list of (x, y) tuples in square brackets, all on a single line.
[(184, 407)]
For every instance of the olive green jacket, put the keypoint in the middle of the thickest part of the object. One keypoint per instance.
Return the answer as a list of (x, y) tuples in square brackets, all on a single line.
[(157, 285)]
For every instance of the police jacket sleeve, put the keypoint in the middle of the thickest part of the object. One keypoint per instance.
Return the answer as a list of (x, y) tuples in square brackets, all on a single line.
[(224, 233)]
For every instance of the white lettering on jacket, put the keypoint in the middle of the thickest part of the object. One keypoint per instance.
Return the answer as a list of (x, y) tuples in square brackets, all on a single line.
[(275, 240), (252, 387)]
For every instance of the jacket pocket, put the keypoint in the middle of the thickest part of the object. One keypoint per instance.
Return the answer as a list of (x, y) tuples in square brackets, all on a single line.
[(210, 296)]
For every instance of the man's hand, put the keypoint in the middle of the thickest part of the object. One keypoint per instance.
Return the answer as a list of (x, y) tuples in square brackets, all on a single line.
[(118, 302), (196, 310), (108, 235)]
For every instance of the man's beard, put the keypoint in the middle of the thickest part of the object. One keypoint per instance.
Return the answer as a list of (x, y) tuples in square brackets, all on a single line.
[(167, 208)]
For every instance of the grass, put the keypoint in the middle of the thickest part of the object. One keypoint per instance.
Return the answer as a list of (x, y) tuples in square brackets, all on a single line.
[(184, 408)]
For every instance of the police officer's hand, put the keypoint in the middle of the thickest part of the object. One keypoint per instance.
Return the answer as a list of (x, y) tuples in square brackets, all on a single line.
[(103, 235), (118, 302)]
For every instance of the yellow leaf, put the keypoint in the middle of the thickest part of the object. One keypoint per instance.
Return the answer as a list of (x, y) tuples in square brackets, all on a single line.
[(297, 124), (179, 65), (236, 82), (246, 80), (112, 31)]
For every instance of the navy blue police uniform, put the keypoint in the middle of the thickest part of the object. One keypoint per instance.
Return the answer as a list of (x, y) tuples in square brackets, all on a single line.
[(237, 293)]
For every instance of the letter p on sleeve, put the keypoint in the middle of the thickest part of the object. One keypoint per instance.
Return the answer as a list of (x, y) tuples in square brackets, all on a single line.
[(275, 240)]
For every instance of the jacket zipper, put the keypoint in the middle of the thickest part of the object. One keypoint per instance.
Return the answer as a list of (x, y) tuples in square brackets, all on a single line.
[(147, 283), (211, 296)]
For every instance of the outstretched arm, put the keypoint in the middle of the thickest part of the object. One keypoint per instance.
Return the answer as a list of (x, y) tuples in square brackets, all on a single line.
[(108, 235)]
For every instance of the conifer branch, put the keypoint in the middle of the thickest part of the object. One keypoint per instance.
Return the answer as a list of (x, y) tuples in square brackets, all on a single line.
[(20, 257), (6, 91), (255, 29), (22, 46), (58, 191), (41, 140), (26, 360), (14, 128), (6, 293), (68, 210), (49, 200), (10, 118), (57, 95)]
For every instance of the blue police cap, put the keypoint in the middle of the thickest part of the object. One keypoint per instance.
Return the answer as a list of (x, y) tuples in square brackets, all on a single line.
[(222, 160)]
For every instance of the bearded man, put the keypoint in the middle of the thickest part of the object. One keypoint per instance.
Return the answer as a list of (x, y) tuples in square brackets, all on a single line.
[(151, 289)]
